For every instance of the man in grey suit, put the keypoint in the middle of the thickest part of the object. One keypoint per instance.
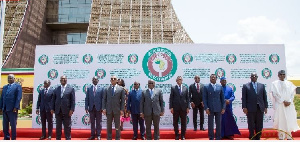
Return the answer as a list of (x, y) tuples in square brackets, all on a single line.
[(63, 105), (151, 108), (179, 106), (113, 106), (43, 108), (93, 106), (214, 105), (254, 103)]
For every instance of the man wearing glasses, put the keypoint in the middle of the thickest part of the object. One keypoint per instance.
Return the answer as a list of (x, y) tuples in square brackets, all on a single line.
[(133, 107), (285, 117), (151, 108), (113, 106), (254, 104)]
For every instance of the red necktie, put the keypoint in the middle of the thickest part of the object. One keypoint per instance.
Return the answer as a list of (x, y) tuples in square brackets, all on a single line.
[(198, 88)]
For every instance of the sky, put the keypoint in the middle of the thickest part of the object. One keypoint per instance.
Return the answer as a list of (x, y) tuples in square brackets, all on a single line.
[(244, 22)]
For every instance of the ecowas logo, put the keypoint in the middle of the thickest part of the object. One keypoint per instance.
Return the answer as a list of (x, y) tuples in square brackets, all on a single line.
[(231, 58), (160, 64), (43, 60), (274, 58), (86, 119), (87, 59), (40, 88), (266, 73), (52, 74), (220, 73), (133, 58), (38, 120), (232, 86), (187, 58), (100, 73), (85, 87)]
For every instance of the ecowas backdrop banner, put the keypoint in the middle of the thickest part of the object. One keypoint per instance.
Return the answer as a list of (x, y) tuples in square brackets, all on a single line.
[(160, 62)]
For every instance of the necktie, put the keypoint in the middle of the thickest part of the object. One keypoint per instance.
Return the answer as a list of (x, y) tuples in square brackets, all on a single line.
[(198, 88), (113, 91), (255, 87), (214, 86), (62, 91), (94, 90), (151, 93), (179, 90), (45, 93)]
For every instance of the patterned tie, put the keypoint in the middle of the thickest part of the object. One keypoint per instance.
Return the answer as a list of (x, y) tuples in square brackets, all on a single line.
[(45, 93), (255, 87), (179, 90), (113, 91), (198, 88)]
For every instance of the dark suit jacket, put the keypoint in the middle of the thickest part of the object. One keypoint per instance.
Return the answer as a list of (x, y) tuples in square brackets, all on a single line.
[(66, 103), (133, 103), (113, 103), (11, 98), (250, 99), (91, 100), (179, 101), (214, 100), (196, 97), (148, 104), (45, 100)]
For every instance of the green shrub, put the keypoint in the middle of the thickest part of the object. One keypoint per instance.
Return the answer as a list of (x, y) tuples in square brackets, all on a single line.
[(27, 111), (297, 104)]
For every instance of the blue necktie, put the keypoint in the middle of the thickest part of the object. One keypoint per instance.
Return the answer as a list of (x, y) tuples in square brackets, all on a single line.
[(255, 87), (151, 93), (179, 90), (113, 91)]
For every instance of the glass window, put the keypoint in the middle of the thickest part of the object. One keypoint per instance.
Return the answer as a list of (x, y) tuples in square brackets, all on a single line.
[(76, 38), (74, 11)]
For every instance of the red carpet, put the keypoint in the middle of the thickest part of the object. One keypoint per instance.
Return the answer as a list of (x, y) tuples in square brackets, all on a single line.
[(31, 133)]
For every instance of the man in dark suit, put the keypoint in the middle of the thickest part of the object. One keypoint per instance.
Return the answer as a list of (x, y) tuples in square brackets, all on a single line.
[(63, 105), (10, 104), (179, 106), (214, 105), (43, 108), (254, 103), (151, 108), (195, 93), (93, 106), (133, 107), (113, 106)]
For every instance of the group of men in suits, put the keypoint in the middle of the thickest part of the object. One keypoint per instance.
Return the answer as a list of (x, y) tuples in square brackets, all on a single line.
[(144, 105)]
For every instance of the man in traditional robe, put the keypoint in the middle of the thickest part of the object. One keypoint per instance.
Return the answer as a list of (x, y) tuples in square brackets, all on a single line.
[(285, 115), (228, 126)]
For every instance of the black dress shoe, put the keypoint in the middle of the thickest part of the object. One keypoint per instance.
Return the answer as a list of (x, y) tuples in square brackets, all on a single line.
[(202, 129), (176, 137), (195, 129), (182, 138), (98, 138), (49, 138), (143, 138), (42, 138), (91, 138), (134, 138)]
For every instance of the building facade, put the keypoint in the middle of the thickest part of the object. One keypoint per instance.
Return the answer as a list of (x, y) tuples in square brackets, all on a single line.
[(55, 22)]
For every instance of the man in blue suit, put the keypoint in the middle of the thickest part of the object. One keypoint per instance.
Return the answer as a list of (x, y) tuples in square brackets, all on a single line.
[(10, 104), (214, 105), (133, 107), (43, 108), (93, 106), (254, 103), (63, 105)]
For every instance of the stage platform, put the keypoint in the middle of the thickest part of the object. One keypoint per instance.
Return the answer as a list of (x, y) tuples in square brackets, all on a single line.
[(83, 134)]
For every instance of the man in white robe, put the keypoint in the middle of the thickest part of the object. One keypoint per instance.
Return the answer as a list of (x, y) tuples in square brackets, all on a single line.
[(285, 115)]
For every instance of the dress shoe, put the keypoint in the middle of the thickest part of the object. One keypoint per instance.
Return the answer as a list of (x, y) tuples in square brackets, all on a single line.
[(134, 138), (176, 137), (42, 138), (143, 138), (98, 138), (202, 129), (182, 138), (91, 138), (49, 138), (195, 129)]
